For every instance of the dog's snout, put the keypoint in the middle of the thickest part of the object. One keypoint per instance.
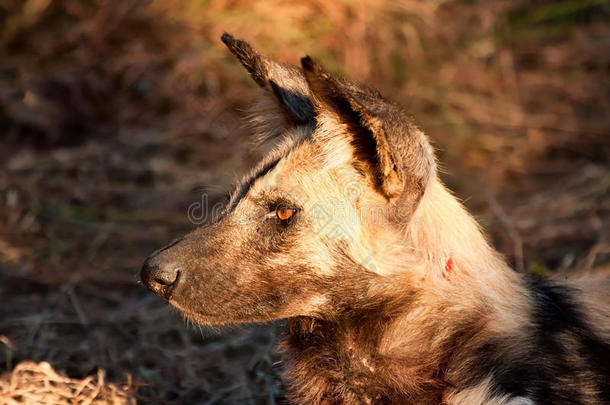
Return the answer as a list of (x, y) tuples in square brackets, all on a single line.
[(160, 275)]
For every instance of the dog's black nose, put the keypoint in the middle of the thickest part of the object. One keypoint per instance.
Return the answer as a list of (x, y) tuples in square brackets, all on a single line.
[(160, 275)]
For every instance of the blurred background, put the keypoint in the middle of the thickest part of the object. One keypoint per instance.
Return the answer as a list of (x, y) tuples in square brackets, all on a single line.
[(115, 116)]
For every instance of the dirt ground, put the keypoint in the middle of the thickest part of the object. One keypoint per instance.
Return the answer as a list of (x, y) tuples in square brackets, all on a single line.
[(116, 116)]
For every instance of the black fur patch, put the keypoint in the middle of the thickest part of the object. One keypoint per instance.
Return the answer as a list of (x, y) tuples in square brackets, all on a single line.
[(297, 106), (566, 360)]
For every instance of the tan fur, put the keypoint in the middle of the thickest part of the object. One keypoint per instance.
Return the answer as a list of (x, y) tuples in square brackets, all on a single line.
[(483, 394)]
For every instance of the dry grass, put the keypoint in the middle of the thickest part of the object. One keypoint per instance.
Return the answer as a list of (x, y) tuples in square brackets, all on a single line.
[(33, 383), (116, 116)]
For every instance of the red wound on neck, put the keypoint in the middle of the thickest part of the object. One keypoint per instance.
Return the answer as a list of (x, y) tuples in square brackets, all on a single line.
[(449, 265)]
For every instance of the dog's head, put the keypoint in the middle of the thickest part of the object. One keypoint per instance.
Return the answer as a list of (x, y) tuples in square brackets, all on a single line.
[(313, 226)]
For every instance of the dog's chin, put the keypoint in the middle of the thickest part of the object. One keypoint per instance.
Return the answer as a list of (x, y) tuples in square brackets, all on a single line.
[(198, 318), (207, 319)]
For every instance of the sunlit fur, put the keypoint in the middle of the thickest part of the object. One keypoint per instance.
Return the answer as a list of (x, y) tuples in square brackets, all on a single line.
[(375, 314)]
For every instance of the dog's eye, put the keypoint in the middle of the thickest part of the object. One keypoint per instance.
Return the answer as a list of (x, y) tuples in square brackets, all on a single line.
[(284, 213)]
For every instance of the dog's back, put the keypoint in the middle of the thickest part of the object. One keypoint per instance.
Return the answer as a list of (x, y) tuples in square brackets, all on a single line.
[(568, 361)]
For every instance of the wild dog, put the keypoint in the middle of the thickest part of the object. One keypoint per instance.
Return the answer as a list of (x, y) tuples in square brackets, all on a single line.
[(391, 293)]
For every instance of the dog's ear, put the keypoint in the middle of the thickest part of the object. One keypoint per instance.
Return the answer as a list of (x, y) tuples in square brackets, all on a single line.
[(386, 145), (286, 83)]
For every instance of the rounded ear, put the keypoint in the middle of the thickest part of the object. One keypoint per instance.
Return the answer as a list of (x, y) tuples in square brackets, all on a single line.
[(396, 155), (285, 83)]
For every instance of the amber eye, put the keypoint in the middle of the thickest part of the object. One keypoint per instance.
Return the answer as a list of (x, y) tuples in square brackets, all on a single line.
[(284, 213)]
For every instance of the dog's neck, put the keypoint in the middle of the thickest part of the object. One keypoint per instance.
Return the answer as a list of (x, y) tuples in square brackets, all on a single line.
[(443, 231), (441, 228)]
